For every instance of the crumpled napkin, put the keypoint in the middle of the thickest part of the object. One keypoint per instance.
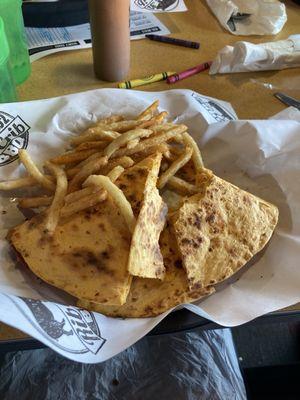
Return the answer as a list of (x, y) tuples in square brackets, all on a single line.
[(245, 56), (254, 17)]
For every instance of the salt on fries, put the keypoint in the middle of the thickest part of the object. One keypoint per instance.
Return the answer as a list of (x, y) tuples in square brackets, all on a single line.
[(83, 177)]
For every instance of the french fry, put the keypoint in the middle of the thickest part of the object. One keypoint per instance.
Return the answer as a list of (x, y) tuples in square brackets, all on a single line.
[(155, 120), (124, 126), (105, 121), (79, 194), (173, 152), (91, 168), (115, 173), (203, 178), (83, 203), (158, 119), (181, 186), (132, 143), (90, 158), (53, 213), (71, 172), (167, 153), (174, 167), (124, 139), (110, 120), (161, 148), (158, 128), (148, 112), (124, 162), (118, 196), (151, 142), (34, 202), (164, 166), (91, 145), (73, 156), (33, 171), (96, 133), (27, 181), (196, 157)]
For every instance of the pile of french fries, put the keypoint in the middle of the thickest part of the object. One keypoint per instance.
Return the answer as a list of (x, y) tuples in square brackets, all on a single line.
[(83, 176)]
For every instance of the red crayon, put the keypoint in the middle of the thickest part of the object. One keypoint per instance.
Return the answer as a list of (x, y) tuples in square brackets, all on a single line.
[(189, 72)]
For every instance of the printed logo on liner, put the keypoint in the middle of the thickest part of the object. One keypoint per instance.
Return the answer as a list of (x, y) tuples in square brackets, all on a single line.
[(218, 113), (153, 5), (68, 328), (14, 134)]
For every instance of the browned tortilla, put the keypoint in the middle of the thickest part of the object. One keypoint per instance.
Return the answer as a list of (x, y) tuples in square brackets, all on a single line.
[(133, 180), (87, 255), (145, 258), (219, 230), (151, 297)]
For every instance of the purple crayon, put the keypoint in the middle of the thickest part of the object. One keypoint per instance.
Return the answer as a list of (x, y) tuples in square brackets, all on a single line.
[(189, 72), (178, 42)]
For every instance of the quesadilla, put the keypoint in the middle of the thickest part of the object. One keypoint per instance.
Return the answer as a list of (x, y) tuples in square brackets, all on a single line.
[(145, 258), (219, 230), (151, 297), (86, 256), (133, 180)]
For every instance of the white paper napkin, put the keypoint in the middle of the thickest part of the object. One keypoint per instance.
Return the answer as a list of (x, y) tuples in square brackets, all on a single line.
[(267, 17), (246, 56)]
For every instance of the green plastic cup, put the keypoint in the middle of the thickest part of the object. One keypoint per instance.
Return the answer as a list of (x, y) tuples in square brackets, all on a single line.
[(11, 13), (7, 84)]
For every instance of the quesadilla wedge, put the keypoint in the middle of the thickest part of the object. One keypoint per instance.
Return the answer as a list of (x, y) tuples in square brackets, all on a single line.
[(219, 230), (151, 297), (86, 256), (145, 258), (133, 180)]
